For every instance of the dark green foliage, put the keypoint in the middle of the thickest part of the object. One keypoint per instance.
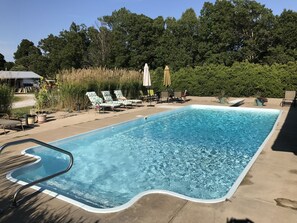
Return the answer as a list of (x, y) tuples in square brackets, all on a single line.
[(133, 37), (157, 79), (8, 65), (239, 80), (66, 51), (6, 98), (2, 62), (25, 49), (284, 46), (28, 58), (231, 33)]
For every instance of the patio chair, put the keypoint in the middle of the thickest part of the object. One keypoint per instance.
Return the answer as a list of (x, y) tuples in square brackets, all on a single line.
[(290, 97), (97, 102), (151, 95), (122, 98), (108, 99)]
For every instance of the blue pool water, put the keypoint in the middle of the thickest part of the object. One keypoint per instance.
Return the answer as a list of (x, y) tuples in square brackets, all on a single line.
[(196, 151)]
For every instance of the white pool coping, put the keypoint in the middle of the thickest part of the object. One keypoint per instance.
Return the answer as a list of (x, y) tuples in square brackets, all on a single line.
[(140, 195)]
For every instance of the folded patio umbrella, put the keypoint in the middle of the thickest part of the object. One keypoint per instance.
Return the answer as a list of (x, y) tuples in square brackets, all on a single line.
[(146, 77), (147, 81), (167, 78)]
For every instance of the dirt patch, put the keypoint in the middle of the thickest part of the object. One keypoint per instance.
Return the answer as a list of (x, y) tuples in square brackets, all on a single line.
[(293, 171), (247, 180), (287, 203)]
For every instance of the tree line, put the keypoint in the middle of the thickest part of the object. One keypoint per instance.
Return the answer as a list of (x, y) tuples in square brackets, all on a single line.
[(224, 33)]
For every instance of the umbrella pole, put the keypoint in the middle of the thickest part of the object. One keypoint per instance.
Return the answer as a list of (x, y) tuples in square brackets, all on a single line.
[(150, 98)]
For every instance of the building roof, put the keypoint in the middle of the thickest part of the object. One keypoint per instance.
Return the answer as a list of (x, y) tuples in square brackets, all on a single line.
[(18, 75)]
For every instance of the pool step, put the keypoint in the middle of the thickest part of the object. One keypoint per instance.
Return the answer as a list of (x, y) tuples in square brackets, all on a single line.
[(14, 200)]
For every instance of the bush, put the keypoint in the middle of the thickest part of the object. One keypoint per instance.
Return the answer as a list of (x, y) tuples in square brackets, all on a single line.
[(240, 80), (42, 99), (6, 98)]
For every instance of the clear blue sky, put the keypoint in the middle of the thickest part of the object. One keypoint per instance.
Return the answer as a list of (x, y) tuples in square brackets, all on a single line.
[(36, 19)]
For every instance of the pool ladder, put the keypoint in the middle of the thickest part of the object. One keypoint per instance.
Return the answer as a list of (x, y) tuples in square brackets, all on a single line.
[(14, 200)]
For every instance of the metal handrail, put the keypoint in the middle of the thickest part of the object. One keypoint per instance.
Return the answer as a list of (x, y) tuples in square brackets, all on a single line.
[(14, 201)]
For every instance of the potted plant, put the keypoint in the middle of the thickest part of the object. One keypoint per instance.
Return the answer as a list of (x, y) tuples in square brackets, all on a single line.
[(41, 103), (29, 119), (222, 97), (260, 100)]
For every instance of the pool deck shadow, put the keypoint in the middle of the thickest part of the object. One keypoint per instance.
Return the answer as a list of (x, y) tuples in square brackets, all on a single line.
[(286, 140), (267, 194)]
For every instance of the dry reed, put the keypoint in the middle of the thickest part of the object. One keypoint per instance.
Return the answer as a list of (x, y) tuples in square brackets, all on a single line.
[(73, 84)]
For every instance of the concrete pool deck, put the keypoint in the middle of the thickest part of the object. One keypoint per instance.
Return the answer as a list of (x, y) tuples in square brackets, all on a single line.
[(267, 194)]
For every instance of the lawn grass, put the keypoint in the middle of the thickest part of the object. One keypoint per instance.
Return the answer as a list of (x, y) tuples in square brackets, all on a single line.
[(20, 112)]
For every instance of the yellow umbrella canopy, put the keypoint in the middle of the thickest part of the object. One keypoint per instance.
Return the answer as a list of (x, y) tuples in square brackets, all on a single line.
[(167, 79)]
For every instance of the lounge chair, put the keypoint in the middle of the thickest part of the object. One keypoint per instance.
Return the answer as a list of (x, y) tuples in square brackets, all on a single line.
[(164, 97), (184, 95), (290, 97), (236, 102), (9, 123), (179, 96), (97, 102), (122, 98), (108, 99), (142, 96)]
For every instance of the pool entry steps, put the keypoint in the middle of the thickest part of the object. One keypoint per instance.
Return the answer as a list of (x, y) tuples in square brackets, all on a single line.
[(14, 200)]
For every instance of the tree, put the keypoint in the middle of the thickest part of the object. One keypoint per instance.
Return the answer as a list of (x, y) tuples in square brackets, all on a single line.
[(187, 33), (51, 47), (171, 50), (254, 29), (119, 51), (28, 57), (9, 65), (73, 53), (2, 62), (66, 51), (133, 39), (235, 30), (25, 49), (99, 48), (284, 46)]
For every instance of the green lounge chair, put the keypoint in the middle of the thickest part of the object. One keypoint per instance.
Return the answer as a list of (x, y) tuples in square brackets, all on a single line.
[(108, 99), (122, 98), (97, 102)]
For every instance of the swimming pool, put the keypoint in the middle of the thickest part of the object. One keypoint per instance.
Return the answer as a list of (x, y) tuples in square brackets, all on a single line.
[(200, 153)]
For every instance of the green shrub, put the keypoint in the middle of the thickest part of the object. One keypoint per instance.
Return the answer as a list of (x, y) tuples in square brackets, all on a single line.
[(42, 99), (240, 80), (6, 98)]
